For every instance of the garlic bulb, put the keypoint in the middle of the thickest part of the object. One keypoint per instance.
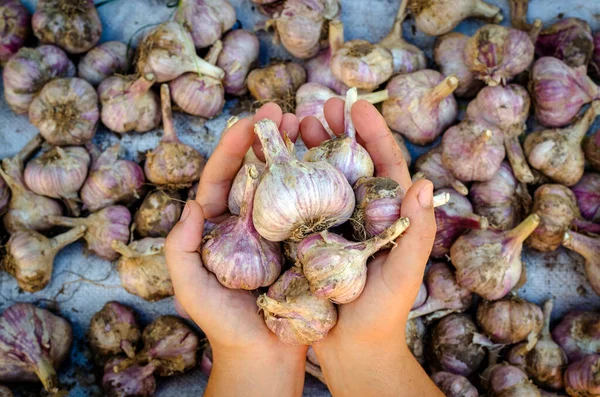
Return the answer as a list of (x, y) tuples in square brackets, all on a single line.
[(238, 256), (581, 377), (277, 82), (587, 193), (361, 64), (557, 153), (415, 334), (294, 313), (155, 54), (240, 52), (430, 166), (134, 380), (502, 200), (129, 104), (589, 248), (336, 268), (488, 262), (143, 268), (318, 69), (16, 28), (158, 213), (73, 25), (35, 343), (66, 112), (569, 39), (591, 147), (496, 54), (343, 152), (30, 256), (238, 187), (102, 228), (578, 334), (103, 61), (510, 320), (59, 173), (453, 385), (559, 91), (113, 330), (322, 197), (4, 196), (506, 107), (438, 17), (473, 151), (111, 180), (448, 54), (206, 20), (509, 381), (26, 73), (198, 94), (421, 296), (172, 162), (421, 105)]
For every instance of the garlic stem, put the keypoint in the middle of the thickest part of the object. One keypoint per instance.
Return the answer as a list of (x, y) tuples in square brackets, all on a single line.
[(441, 199), (248, 197), (28, 149), (128, 348), (275, 307), (378, 242), (336, 36), (473, 221), (169, 134), (62, 240), (481, 140), (274, 148), (548, 306), (524, 229), (518, 14), (214, 52), (395, 34), (440, 91), (484, 10), (535, 30), (46, 373), (142, 84), (517, 160), (581, 244), (375, 97), (581, 127), (460, 187), (351, 98), (66, 221), (15, 183), (124, 250), (205, 68)]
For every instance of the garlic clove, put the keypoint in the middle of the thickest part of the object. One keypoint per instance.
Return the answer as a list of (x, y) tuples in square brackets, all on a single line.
[(510, 320), (17, 22), (591, 148), (589, 248), (454, 385), (578, 334), (581, 377), (104, 60), (207, 21), (294, 313), (569, 39), (277, 82), (587, 193), (134, 380), (33, 345), (240, 52), (430, 166), (508, 380), (448, 53), (238, 187), (113, 330), (158, 213)]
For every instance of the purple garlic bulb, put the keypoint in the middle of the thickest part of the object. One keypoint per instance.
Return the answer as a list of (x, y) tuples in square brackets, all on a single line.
[(168, 51), (103, 61), (421, 296), (114, 330), (445, 296), (111, 180), (206, 362), (294, 313), (452, 220), (502, 200), (496, 54), (322, 198), (591, 147), (239, 257), (453, 385), (454, 346), (4, 196), (344, 152), (240, 52), (129, 104), (589, 248), (448, 54), (488, 262), (66, 112), (158, 213), (336, 268), (172, 162), (510, 320), (557, 153), (206, 20), (26, 73), (415, 335), (238, 187), (102, 228), (59, 173), (581, 377), (134, 380), (143, 268), (16, 28), (560, 91), (578, 334), (473, 150), (198, 94), (506, 107), (430, 166), (509, 381), (33, 345), (318, 69), (277, 82), (421, 105), (587, 193), (569, 39)]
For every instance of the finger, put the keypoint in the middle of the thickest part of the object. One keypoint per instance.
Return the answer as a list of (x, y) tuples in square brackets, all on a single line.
[(312, 131), (270, 111), (379, 142), (334, 114), (222, 167), (290, 125), (405, 265)]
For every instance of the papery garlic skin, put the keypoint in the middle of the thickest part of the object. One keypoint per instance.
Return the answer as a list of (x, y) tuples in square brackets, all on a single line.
[(510, 320), (103, 61), (421, 105), (569, 39), (453, 385), (591, 147), (318, 69), (26, 73), (448, 54), (129, 104), (578, 333), (306, 209), (206, 20), (559, 91), (134, 380), (581, 377), (589, 248), (113, 330), (74, 25), (430, 166), (294, 313), (238, 186), (507, 380), (16, 28), (276, 81), (66, 112), (158, 213), (361, 64), (587, 193), (33, 345), (240, 52), (489, 262)]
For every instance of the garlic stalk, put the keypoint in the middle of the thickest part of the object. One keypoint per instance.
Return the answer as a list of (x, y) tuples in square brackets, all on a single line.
[(589, 248)]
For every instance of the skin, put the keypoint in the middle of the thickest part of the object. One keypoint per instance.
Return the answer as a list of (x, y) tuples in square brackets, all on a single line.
[(366, 353)]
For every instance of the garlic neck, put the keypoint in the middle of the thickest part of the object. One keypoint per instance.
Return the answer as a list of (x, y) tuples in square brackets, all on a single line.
[(520, 233), (472, 221), (548, 306), (109, 157), (581, 127), (585, 246), (274, 148), (13, 179), (378, 242), (167, 115), (247, 206), (375, 97), (65, 221), (62, 240), (535, 30), (124, 250), (214, 52), (395, 35), (142, 84), (336, 36), (28, 149), (351, 98), (484, 10), (207, 69), (518, 13), (440, 92)]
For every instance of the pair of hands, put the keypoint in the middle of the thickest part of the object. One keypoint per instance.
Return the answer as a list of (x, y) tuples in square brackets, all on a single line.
[(248, 357)]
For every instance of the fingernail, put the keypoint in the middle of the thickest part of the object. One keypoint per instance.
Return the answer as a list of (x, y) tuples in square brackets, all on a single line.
[(425, 196), (185, 213)]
